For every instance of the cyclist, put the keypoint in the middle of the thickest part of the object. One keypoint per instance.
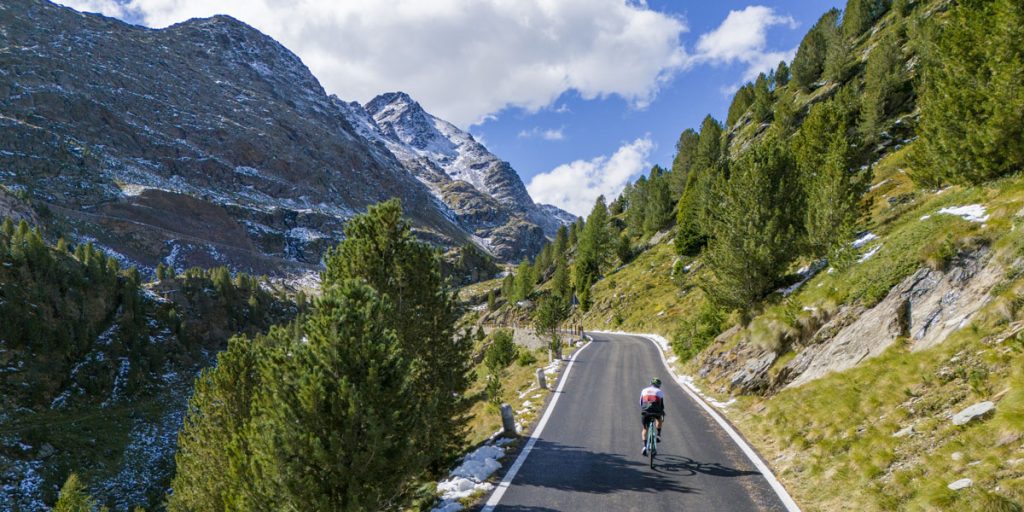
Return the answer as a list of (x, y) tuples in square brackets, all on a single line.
[(652, 405)]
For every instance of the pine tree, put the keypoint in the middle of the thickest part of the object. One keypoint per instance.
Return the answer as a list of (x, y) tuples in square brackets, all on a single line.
[(682, 164), (73, 497), (624, 250), (381, 249), (637, 211), (809, 62), (971, 94), (741, 102), (859, 15), (508, 288), (337, 423), (658, 211), (560, 280), (593, 248), (832, 185), (884, 86), (492, 303), (212, 461), (755, 228), (784, 117), (525, 280), (782, 75), (707, 166), (561, 241), (763, 100)]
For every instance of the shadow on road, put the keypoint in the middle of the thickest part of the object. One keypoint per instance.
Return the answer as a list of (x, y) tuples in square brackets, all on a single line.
[(571, 468), (678, 465)]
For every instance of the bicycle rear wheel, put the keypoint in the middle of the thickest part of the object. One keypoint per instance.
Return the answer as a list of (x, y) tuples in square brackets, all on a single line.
[(652, 442)]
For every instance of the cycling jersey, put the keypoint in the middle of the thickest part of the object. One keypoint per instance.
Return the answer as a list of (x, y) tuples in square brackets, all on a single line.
[(652, 401)]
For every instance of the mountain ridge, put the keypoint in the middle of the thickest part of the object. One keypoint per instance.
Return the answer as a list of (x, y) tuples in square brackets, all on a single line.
[(241, 127)]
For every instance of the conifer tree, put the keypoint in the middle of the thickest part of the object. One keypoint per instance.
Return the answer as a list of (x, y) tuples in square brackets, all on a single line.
[(884, 86), (755, 227), (637, 211), (381, 249), (336, 424), (560, 280), (212, 461), (809, 62), (74, 497), (561, 241), (763, 100), (971, 94), (682, 164), (741, 102), (525, 280), (782, 75), (707, 165), (658, 210), (833, 187), (593, 250), (859, 15)]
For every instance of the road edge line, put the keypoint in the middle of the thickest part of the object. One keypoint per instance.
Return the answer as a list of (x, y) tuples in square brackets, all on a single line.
[(747, 450), (506, 482)]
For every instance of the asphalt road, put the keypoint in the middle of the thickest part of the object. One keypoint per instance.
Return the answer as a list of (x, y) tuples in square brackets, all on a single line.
[(588, 455)]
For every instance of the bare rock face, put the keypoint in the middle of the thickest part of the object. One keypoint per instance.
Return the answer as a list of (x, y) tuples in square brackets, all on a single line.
[(484, 193), (125, 133), (926, 308)]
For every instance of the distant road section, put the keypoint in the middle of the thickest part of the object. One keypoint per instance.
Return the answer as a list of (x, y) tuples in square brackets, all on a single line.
[(587, 456)]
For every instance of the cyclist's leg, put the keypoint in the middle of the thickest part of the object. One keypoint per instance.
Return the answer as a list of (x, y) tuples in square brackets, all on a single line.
[(643, 421)]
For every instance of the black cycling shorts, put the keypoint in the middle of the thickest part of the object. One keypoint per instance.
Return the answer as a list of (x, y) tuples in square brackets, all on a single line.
[(646, 417)]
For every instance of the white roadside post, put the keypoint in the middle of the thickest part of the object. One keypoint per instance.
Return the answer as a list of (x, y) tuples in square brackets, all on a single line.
[(508, 421)]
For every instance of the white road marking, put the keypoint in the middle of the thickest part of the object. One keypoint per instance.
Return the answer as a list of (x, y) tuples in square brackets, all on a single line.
[(507, 481)]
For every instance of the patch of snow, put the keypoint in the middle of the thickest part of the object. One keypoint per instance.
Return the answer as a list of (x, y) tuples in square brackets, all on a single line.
[(869, 254), (971, 212), (926, 217), (470, 476), (863, 240), (805, 274)]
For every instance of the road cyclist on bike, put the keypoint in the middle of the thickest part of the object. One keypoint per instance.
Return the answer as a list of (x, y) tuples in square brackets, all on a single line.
[(652, 406)]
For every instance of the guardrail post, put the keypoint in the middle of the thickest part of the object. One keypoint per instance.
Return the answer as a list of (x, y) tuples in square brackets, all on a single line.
[(541, 381), (508, 421)]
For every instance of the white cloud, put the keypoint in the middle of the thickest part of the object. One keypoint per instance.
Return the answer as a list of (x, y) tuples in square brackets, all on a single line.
[(462, 59), (575, 186), (743, 37), (549, 134)]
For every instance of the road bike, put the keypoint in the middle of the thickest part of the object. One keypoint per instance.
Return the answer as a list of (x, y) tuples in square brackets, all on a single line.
[(652, 440)]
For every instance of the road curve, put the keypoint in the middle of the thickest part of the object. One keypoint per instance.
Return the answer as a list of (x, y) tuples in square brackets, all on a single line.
[(588, 454)]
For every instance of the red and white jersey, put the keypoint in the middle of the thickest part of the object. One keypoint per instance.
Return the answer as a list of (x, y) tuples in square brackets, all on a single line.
[(652, 400)]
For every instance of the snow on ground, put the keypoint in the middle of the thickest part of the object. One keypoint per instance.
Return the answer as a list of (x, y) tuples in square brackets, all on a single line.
[(805, 273), (864, 239), (971, 212), (869, 254), (471, 476)]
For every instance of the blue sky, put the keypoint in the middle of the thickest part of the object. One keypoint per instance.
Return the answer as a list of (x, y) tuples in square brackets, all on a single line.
[(580, 96), (591, 128)]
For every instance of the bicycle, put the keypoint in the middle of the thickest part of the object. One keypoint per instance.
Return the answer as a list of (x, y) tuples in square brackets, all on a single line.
[(652, 440)]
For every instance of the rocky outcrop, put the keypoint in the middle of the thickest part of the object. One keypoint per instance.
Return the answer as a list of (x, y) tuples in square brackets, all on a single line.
[(925, 308)]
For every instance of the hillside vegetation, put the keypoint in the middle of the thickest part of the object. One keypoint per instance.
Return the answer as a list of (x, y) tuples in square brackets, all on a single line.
[(842, 254)]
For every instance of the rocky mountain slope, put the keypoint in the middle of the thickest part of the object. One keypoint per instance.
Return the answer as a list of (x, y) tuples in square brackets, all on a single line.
[(209, 143), (485, 193)]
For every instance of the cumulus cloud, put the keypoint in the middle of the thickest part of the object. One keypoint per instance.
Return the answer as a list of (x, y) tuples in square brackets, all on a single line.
[(575, 186), (549, 134), (462, 59), (743, 37)]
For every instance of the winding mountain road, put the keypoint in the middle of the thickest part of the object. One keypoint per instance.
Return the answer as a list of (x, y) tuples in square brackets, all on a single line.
[(587, 456)]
